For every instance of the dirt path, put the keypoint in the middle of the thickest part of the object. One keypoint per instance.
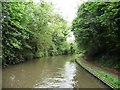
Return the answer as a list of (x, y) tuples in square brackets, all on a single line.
[(107, 70)]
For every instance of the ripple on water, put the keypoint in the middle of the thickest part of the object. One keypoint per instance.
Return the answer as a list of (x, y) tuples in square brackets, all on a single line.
[(56, 72), (64, 79)]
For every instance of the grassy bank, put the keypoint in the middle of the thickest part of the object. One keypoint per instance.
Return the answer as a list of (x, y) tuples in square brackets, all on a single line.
[(105, 77)]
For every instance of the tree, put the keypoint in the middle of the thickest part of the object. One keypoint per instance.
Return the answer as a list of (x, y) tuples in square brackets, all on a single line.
[(96, 29), (40, 33)]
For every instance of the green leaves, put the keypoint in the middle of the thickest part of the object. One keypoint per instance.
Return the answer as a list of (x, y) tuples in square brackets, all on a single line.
[(97, 31), (31, 31), (15, 43), (14, 32)]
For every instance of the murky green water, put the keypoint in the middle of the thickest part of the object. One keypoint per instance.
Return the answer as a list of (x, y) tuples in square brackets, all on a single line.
[(49, 72)]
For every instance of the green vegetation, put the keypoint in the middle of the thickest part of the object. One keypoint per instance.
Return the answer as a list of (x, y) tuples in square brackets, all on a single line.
[(109, 79), (31, 31), (97, 32)]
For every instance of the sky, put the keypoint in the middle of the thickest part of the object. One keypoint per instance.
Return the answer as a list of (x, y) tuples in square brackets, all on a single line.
[(67, 8)]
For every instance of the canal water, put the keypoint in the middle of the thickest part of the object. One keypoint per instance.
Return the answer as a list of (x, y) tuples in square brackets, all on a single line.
[(49, 72)]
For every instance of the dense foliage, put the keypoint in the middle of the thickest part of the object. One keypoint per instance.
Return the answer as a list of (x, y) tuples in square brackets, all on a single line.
[(32, 30), (97, 31)]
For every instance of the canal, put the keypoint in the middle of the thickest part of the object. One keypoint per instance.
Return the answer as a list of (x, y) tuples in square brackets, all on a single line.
[(49, 72)]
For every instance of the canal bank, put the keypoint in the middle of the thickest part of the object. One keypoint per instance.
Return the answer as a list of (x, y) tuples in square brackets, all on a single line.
[(104, 77)]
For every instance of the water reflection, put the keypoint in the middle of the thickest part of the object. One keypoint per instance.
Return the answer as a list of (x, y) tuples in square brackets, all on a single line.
[(68, 74), (49, 72), (64, 79)]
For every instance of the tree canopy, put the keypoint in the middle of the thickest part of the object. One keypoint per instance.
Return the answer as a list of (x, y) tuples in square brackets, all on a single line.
[(32, 30), (97, 29)]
